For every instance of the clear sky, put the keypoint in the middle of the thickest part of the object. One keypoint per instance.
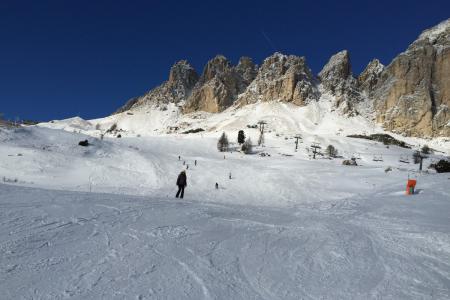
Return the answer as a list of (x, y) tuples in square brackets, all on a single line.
[(64, 58)]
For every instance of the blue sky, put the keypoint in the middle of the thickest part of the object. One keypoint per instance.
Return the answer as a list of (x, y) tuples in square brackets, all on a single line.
[(64, 58)]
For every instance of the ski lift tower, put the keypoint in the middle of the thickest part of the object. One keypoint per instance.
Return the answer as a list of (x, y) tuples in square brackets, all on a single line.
[(314, 147), (297, 137), (421, 157), (261, 131), (261, 126)]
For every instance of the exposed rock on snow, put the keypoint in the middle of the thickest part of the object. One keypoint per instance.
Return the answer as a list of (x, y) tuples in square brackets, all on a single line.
[(219, 85), (182, 79), (369, 77), (412, 95), (282, 78), (337, 79), (247, 70)]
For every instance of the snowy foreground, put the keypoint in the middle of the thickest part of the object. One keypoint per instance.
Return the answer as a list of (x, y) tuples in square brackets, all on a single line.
[(102, 222), (57, 244)]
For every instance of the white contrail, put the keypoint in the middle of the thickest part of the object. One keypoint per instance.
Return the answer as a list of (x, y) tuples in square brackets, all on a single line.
[(268, 40)]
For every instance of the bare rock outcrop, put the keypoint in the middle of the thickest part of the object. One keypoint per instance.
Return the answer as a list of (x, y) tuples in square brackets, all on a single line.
[(220, 84), (370, 76), (182, 79), (282, 78), (412, 95), (337, 79)]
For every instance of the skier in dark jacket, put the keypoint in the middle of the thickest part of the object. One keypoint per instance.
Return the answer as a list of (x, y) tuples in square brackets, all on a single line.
[(182, 183)]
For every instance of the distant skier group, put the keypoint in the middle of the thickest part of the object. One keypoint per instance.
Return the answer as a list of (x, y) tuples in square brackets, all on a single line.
[(182, 179)]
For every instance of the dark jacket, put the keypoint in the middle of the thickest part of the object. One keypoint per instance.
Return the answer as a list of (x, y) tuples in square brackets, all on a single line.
[(181, 181)]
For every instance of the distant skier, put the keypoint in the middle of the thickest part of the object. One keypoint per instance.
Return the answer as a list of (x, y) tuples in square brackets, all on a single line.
[(187, 167), (179, 157), (182, 183), (229, 175), (217, 186), (195, 162)]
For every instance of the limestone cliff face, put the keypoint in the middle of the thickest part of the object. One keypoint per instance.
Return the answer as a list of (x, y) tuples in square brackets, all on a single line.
[(282, 78), (412, 95), (220, 84), (182, 79), (370, 76), (337, 79)]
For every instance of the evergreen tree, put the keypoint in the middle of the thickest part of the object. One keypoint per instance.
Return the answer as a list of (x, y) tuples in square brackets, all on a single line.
[(247, 146), (426, 149), (222, 144), (331, 151), (241, 137)]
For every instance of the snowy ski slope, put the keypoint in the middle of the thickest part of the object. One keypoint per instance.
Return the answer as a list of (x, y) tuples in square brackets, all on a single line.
[(102, 222)]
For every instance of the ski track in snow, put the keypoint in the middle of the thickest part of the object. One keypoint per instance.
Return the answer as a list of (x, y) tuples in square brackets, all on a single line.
[(102, 222), (86, 245)]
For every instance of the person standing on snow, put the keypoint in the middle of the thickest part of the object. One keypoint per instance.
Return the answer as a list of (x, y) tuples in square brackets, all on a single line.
[(182, 183)]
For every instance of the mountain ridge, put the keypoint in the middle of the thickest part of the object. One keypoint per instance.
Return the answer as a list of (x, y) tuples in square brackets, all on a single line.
[(410, 96)]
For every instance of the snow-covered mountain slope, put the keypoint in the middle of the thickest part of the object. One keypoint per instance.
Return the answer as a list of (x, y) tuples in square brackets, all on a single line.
[(283, 227), (314, 121), (409, 96), (148, 165)]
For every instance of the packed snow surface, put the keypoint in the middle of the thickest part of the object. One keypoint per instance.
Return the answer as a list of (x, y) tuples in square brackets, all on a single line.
[(102, 222)]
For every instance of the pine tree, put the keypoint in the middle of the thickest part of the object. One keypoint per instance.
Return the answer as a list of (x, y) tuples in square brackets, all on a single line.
[(241, 137), (426, 149), (331, 151), (247, 147), (222, 144)]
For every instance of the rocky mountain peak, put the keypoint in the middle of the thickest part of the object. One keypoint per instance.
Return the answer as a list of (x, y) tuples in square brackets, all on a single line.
[(412, 95), (279, 64), (245, 62), (436, 33), (369, 77), (183, 73), (337, 68), (282, 78), (216, 66), (337, 79), (218, 86), (182, 79), (246, 69)]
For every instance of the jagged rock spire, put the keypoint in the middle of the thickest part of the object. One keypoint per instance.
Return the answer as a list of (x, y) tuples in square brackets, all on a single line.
[(182, 79), (217, 88), (337, 79), (282, 78), (182, 74), (411, 95), (370, 76)]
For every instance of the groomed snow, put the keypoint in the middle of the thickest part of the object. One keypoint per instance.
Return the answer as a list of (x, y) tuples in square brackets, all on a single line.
[(57, 244)]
